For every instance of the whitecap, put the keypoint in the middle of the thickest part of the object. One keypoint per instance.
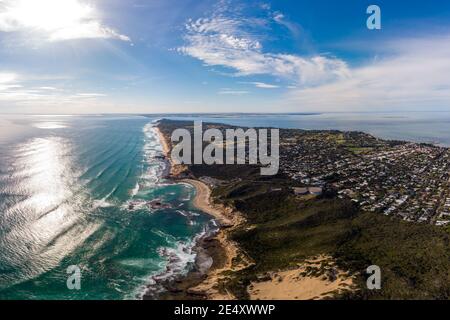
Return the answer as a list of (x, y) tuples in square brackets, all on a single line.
[(135, 190), (101, 203)]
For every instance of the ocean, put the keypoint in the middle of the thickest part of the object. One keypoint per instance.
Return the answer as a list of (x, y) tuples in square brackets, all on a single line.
[(75, 191), (82, 190)]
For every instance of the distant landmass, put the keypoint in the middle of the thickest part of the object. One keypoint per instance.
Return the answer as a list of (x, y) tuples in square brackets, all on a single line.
[(228, 115)]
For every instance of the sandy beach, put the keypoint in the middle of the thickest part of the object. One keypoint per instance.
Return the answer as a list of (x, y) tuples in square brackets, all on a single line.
[(227, 220), (175, 169), (203, 192), (218, 245), (202, 201), (298, 284)]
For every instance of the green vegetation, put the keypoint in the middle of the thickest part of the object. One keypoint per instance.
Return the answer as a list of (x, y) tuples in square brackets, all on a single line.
[(414, 258), (357, 150)]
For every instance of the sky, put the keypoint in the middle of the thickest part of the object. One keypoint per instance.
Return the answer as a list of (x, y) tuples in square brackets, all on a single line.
[(186, 56)]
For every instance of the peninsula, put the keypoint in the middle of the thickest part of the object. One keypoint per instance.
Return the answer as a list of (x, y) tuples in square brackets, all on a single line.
[(341, 202)]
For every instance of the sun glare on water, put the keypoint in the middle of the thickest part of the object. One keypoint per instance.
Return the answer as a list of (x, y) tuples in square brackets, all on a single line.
[(50, 125), (51, 217)]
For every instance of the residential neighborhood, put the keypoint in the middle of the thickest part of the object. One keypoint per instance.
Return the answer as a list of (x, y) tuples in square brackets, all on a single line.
[(409, 180)]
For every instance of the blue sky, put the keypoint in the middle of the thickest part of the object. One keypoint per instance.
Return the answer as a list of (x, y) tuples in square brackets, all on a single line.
[(136, 56)]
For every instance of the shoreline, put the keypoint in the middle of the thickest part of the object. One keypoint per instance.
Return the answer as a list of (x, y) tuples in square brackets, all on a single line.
[(175, 170), (221, 256), (227, 220), (201, 281)]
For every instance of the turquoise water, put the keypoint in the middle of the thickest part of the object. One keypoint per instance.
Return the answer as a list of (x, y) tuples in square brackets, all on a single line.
[(73, 192)]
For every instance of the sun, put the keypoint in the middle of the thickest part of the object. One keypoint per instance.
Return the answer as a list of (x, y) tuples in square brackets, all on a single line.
[(50, 15), (55, 20)]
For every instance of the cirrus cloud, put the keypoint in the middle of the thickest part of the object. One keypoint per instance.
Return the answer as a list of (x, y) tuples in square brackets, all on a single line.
[(232, 92), (262, 85), (234, 43)]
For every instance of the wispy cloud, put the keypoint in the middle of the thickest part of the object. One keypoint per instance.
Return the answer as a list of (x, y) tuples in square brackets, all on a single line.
[(262, 85), (236, 43), (56, 20), (415, 74), (47, 88), (227, 91), (19, 90), (91, 95), (294, 28)]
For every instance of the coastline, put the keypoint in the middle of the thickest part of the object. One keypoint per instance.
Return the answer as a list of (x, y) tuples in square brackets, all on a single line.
[(218, 255), (227, 220), (164, 144), (175, 170), (215, 252)]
